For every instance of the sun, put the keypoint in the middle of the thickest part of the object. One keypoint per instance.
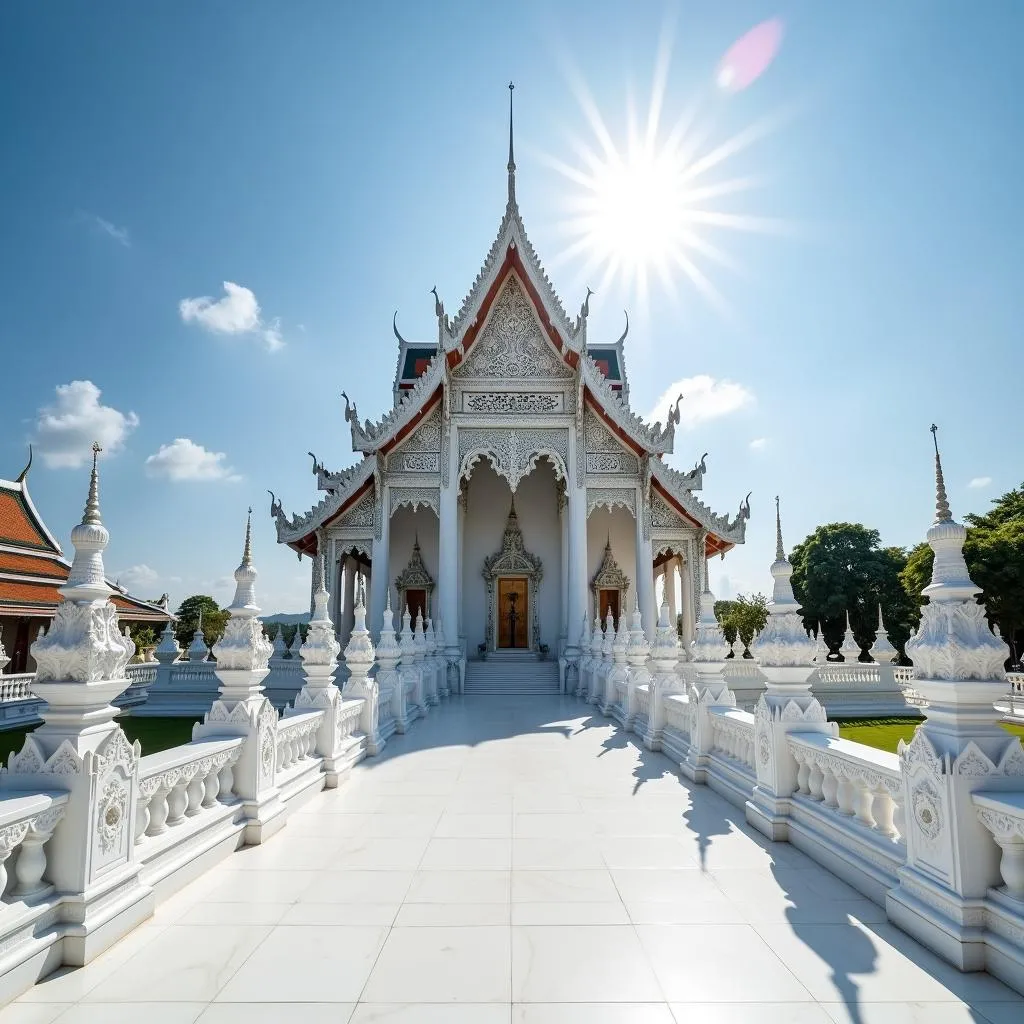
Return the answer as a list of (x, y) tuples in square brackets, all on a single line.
[(652, 207)]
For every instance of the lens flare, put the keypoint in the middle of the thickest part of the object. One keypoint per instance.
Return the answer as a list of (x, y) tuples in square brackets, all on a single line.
[(750, 56)]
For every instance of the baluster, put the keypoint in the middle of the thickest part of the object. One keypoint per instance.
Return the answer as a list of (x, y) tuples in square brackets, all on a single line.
[(816, 778), (158, 810), (141, 816), (846, 794), (226, 781), (211, 786), (5, 852), (829, 786), (864, 800), (195, 791), (803, 771), (177, 800), (899, 820), (31, 864), (882, 811)]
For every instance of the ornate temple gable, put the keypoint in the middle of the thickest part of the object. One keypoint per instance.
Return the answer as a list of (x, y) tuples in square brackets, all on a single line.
[(351, 486), (420, 450), (511, 346), (511, 249), (689, 511), (605, 453)]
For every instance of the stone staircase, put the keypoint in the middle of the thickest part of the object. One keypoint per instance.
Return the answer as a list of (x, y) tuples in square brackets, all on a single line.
[(511, 672)]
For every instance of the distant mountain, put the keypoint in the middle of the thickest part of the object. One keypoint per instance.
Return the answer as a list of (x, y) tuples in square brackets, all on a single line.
[(287, 620)]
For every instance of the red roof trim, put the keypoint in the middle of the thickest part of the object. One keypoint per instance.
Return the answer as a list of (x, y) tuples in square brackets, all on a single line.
[(713, 544), (307, 545), (428, 406), (612, 425)]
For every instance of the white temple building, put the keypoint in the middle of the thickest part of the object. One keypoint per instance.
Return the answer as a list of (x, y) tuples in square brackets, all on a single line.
[(511, 493)]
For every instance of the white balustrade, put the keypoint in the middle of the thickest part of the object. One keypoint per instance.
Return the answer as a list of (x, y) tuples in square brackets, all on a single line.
[(26, 824), (179, 783), (732, 735), (1003, 815), (296, 738), (17, 687), (678, 724), (853, 781)]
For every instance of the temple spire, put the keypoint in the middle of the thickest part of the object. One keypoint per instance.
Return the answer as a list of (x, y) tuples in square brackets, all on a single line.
[(511, 150), (942, 510), (247, 550), (780, 551), (92, 503)]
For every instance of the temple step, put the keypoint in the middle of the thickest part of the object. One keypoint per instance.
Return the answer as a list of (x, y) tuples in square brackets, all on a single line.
[(505, 675)]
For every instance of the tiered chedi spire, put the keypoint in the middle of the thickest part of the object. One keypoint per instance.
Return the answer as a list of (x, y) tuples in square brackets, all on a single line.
[(320, 651), (953, 641), (882, 650), (244, 645), (783, 642), (850, 649), (84, 643)]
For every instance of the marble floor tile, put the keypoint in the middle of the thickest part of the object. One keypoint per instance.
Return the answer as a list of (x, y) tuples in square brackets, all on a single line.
[(369, 853), (452, 915), (32, 1013), (591, 1013), (315, 913), (748, 1013), (549, 913), (580, 963), (357, 887), (296, 964), (568, 886), (234, 913), (441, 965), (556, 854), (460, 887), (480, 826), (426, 1013), (859, 1012), (470, 854), (132, 1013), (689, 959), (272, 1013), (184, 963)]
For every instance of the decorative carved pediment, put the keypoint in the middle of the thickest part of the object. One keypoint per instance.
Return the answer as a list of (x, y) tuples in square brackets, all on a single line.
[(609, 576), (513, 559), (603, 453), (511, 344), (415, 576)]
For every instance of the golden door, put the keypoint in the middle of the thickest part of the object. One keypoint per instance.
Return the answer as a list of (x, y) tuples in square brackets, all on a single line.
[(609, 601), (513, 613)]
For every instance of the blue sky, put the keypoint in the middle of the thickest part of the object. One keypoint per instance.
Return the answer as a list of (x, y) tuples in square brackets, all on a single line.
[(338, 160)]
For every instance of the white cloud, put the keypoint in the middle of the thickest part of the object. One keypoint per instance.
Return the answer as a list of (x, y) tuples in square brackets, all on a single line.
[(137, 578), (758, 444), (183, 459), (237, 312), (980, 481), (106, 227), (65, 431), (704, 398)]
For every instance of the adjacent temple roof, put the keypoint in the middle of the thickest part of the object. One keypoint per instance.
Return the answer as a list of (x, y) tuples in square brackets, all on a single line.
[(33, 567), (422, 380)]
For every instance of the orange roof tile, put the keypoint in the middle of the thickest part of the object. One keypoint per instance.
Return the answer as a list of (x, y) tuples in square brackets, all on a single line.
[(17, 524), (42, 599), (31, 565)]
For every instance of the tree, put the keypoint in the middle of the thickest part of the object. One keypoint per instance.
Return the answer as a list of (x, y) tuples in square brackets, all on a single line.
[(214, 620), (742, 619), (143, 636), (841, 568), (287, 631), (994, 552)]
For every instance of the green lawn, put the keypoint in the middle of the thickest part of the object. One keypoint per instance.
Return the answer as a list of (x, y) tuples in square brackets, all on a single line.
[(885, 733), (154, 734)]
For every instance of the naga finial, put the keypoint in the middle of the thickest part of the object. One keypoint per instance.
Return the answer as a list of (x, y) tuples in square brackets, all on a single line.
[(438, 304), (702, 466), (351, 415), (622, 338), (394, 327), (276, 509)]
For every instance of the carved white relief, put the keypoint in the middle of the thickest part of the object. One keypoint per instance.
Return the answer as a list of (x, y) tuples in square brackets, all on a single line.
[(610, 497), (111, 813), (418, 462), (511, 344), (361, 513), (513, 402), (414, 497), (513, 452), (924, 802), (604, 454), (663, 516)]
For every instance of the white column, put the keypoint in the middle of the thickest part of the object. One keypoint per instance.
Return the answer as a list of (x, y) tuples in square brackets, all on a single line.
[(563, 530), (644, 572), (689, 614), (336, 585), (448, 552), (670, 590), (348, 601), (380, 575), (577, 575), (460, 582)]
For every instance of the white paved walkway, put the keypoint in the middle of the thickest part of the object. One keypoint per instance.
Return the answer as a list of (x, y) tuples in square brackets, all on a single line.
[(517, 860)]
